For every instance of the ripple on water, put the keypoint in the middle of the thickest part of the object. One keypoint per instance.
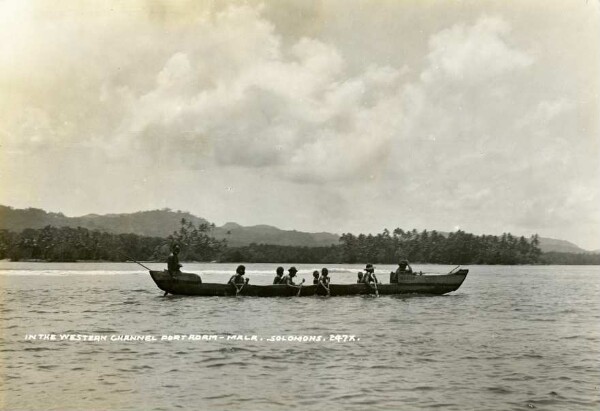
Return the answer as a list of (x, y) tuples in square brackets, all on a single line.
[(491, 346), (219, 397), (227, 364), (233, 349), (424, 388), (37, 349), (499, 390)]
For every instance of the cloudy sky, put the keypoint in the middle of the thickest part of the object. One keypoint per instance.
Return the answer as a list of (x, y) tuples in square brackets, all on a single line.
[(329, 115)]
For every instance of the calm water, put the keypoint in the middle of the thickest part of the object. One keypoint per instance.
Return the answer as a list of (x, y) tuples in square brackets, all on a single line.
[(511, 338)]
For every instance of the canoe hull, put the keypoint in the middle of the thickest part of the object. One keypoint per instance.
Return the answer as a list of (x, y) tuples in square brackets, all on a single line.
[(190, 284)]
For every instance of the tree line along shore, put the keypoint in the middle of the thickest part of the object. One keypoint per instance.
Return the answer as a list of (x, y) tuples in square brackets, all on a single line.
[(63, 244)]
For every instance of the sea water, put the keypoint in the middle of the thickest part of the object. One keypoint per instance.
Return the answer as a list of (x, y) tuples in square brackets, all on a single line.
[(511, 338)]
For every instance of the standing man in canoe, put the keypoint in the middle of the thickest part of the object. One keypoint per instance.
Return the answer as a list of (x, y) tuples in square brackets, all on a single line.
[(173, 265), (278, 275)]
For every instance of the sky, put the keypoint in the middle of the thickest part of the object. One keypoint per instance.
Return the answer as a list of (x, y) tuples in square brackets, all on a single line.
[(337, 115)]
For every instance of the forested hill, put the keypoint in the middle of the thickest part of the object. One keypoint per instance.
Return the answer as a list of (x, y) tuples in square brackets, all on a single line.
[(52, 243), (154, 223), (238, 236), (548, 245), (161, 223)]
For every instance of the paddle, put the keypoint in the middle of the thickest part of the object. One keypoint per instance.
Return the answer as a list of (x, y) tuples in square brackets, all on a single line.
[(131, 259), (375, 284), (454, 269), (137, 262), (239, 290), (326, 288), (300, 288)]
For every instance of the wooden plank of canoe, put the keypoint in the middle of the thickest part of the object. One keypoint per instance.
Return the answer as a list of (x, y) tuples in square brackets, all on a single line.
[(189, 284)]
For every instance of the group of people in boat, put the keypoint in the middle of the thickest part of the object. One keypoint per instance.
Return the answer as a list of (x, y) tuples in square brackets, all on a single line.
[(288, 279), (322, 278), (318, 278)]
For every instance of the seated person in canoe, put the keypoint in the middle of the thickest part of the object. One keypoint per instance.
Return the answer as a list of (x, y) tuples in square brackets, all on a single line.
[(238, 277), (324, 280), (238, 280), (173, 265), (360, 278), (403, 269), (369, 276), (278, 275), (315, 277), (289, 279)]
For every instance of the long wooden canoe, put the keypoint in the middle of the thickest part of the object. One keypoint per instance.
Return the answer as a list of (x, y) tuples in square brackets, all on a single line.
[(190, 284)]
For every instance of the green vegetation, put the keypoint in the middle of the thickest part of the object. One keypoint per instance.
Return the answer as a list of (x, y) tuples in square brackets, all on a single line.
[(432, 247), (71, 244), (196, 244), (555, 258), (388, 248)]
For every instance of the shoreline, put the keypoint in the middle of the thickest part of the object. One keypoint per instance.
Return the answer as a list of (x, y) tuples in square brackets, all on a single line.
[(270, 262)]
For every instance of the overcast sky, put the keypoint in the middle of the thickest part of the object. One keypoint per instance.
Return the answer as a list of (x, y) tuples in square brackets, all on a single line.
[(340, 116)]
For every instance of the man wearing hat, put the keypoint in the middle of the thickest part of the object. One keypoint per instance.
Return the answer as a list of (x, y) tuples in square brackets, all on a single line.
[(173, 265), (369, 276), (289, 278), (403, 269)]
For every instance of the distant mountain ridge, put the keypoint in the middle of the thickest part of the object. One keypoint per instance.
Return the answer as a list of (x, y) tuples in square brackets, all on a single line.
[(153, 223), (237, 236), (561, 246), (161, 223)]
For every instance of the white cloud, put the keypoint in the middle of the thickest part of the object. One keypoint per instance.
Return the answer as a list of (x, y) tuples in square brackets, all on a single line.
[(468, 130), (285, 108), (473, 54)]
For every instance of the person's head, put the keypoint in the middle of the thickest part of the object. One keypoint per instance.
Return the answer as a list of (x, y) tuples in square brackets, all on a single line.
[(403, 263), (279, 271), (176, 249), (316, 274), (325, 272), (292, 271), (369, 268), (360, 274), (240, 270)]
